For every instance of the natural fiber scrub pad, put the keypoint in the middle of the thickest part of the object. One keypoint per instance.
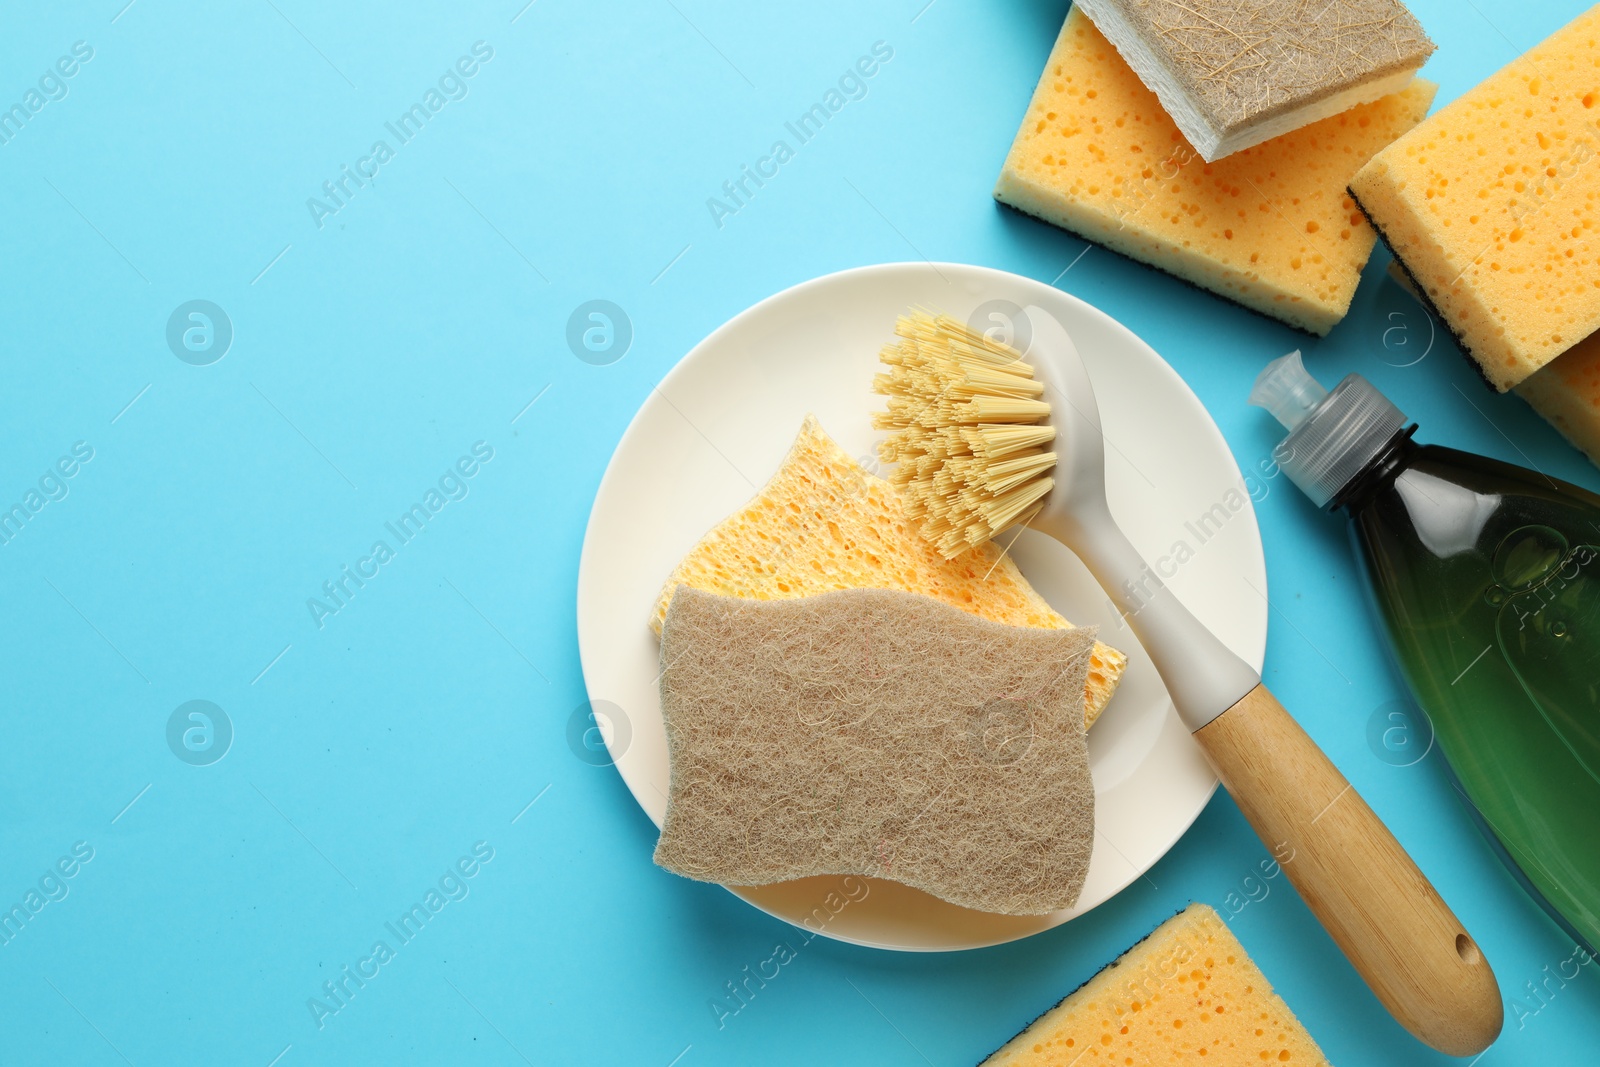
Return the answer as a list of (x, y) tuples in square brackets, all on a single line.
[(1492, 206), (824, 523), (1271, 227), (880, 733), (1187, 994), (1234, 73)]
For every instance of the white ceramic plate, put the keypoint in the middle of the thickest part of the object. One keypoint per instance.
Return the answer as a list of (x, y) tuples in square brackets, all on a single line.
[(717, 429)]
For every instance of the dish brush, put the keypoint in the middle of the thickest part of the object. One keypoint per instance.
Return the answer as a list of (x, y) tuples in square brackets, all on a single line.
[(982, 438)]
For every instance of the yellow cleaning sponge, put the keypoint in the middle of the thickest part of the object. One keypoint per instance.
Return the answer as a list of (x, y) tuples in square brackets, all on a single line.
[(1187, 994), (1567, 393), (1491, 205), (824, 523), (1271, 227)]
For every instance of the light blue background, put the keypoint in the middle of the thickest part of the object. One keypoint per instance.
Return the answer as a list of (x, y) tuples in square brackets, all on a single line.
[(423, 317)]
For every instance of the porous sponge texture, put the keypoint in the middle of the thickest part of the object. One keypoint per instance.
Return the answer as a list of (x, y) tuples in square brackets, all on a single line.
[(1492, 204), (1567, 393), (824, 523), (1187, 994), (1271, 227), (879, 733)]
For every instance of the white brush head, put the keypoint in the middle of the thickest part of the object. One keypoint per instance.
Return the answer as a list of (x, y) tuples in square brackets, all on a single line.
[(959, 404), (1080, 442)]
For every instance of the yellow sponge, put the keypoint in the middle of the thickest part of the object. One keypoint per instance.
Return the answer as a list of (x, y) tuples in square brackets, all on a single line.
[(1491, 205), (1271, 227), (823, 523), (1567, 393), (1187, 994)]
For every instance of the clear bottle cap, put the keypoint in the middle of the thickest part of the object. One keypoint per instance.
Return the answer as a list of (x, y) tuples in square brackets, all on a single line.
[(1333, 436), (1286, 390)]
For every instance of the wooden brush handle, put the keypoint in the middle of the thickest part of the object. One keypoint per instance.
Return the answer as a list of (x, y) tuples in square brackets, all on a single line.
[(1380, 909)]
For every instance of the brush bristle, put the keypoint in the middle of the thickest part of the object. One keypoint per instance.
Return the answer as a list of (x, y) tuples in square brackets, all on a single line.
[(965, 435)]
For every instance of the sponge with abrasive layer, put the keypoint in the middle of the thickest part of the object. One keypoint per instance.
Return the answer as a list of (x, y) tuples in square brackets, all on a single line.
[(1186, 994), (1235, 73), (1493, 206), (1271, 227)]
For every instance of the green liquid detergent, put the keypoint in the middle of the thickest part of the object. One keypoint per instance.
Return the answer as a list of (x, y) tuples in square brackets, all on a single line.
[(1487, 578)]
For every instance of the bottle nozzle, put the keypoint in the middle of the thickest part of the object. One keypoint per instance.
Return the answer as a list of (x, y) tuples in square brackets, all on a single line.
[(1332, 436), (1285, 389)]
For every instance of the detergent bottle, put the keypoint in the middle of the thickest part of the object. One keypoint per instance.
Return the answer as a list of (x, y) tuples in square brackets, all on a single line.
[(1487, 579)]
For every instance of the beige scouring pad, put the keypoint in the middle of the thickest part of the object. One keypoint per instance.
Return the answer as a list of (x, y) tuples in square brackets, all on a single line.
[(1187, 994), (1235, 73), (876, 732), (824, 523), (1271, 227)]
